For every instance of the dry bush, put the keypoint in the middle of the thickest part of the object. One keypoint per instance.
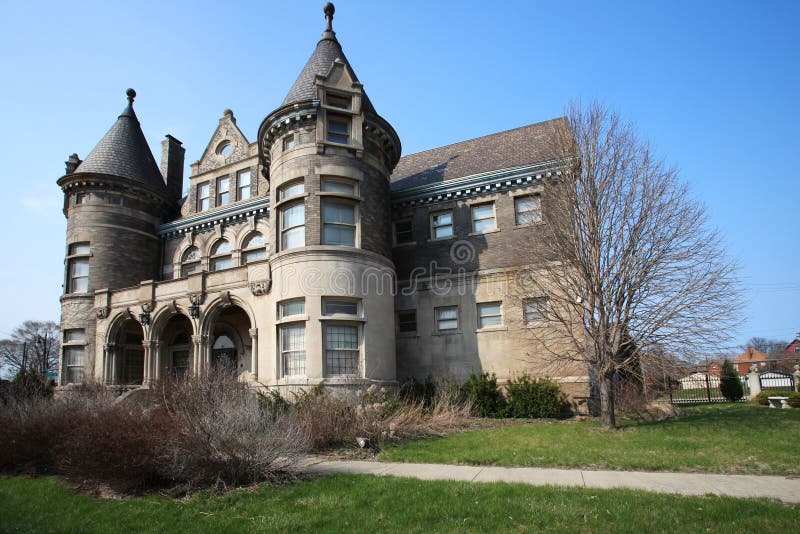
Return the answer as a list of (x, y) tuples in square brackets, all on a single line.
[(227, 433), (629, 397)]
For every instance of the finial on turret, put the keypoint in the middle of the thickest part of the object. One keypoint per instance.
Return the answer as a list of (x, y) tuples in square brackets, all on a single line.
[(131, 95), (329, 10)]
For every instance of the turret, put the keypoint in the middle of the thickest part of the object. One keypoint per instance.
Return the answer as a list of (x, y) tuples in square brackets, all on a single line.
[(113, 201), (328, 156)]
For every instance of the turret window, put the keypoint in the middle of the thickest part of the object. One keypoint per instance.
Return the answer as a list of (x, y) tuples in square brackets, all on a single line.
[(203, 196), (190, 262), (338, 101), (293, 229), (254, 248), (346, 187), (78, 268), (292, 190), (339, 223), (221, 256), (289, 142), (72, 363), (338, 129), (223, 190)]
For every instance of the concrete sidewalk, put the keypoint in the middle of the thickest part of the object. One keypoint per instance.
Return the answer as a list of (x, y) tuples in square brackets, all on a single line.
[(743, 486)]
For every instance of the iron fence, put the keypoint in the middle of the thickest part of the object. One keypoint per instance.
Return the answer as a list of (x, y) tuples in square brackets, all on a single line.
[(703, 388)]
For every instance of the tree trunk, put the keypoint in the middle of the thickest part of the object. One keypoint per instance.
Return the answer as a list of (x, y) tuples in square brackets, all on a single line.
[(607, 399)]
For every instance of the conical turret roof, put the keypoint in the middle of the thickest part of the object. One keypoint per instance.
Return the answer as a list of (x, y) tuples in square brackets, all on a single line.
[(328, 50), (124, 152)]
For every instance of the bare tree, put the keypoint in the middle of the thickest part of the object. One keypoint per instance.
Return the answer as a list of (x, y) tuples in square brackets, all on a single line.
[(767, 346), (32, 345), (629, 263)]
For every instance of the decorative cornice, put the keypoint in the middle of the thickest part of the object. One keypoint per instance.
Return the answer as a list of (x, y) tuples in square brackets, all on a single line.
[(476, 185), (202, 222)]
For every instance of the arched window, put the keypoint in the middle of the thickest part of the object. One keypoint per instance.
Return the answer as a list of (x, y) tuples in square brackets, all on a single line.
[(221, 256), (190, 262), (254, 248)]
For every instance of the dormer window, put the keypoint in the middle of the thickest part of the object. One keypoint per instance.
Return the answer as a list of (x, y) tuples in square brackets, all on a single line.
[(338, 129), (338, 101)]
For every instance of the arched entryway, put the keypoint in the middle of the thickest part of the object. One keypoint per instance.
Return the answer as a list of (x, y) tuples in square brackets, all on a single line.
[(230, 338), (129, 354), (175, 347)]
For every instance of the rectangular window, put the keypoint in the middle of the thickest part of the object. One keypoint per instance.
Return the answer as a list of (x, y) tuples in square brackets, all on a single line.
[(340, 307), (288, 142), (81, 198), (338, 186), (113, 199), (403, 232), (447, 318), (483, 218), (78, 268), (528, 209), (534, 310), (203, 196), (223, 190), (341, 350), (338, 129), (442, 224), (220, 264), (291, 308), (243, 185), (73, 365), (338, 101), (74, 335), (293, 349), (407, 321), (339, 223), (293, 230), (489, 314), (292, 190)]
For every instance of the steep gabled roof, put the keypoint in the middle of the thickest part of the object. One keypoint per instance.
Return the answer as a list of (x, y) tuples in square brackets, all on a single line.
[(751, 355), (327, 51), (505, 150), (124, 152)]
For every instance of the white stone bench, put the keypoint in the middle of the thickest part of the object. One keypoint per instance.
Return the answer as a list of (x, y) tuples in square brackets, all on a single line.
[(778, 402)]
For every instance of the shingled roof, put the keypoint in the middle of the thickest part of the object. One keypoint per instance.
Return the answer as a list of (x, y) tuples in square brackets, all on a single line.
[(527, 145), (328, 49), (124, 152)]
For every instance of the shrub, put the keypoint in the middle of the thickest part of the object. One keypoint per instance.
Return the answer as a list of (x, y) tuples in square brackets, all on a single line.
[(794, 399), (762, 397), (729, 383), (487, 399), (529, 397)]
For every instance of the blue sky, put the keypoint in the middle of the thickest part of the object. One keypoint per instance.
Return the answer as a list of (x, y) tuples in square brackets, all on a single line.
[(712, 85)]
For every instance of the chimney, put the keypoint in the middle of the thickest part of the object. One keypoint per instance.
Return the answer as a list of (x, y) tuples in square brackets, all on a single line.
[(172, 165), (72, 163)]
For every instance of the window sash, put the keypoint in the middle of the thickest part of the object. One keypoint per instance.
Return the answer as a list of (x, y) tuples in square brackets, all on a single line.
[(528, 209), (342, 354), (483, 218), (289, 142), (442, 224), (340, 307), (407, 321), (338, 129), (292, 307), (221, 247), (79, 248), (291, 190), (338, 101), (243, 185), (447, 318), (489, 314), (79, 275), (535, 310), (293, 350), (293, 231), (403, 232), (189, 268), (223, 190), (339, 224), (73, 364), (74, 335), (249, 256), (221, 263), (338, 186)]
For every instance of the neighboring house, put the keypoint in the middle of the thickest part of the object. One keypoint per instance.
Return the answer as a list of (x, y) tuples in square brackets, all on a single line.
[(313, 253), (748, 359)]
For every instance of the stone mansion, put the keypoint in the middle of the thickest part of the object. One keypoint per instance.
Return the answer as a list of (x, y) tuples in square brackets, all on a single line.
[(314, 253)]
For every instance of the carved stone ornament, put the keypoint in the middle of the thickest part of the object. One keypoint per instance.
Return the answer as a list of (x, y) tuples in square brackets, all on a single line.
[(102, 312), (260, 288), (196, 298), (147, 306)]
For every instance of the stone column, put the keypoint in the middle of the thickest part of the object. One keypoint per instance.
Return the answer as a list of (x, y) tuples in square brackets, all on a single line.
[(110, 364), (254, 353), (753, 382), (148, 362), (198, 354), (156, 348)]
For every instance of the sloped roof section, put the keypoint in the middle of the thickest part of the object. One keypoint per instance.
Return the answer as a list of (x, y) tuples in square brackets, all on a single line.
[(527, 145), (328, 49), (124, 152)]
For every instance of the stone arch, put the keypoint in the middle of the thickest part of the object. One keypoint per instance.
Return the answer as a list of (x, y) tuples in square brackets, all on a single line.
[(124, 352), (231, 317), (173, 358)]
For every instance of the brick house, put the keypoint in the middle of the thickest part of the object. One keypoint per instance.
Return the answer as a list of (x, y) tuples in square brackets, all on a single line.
[(313, 253)]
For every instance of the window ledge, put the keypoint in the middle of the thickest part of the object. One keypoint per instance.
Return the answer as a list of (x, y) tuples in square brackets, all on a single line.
[(493, 231), (409, 244), (528, 225), (438, 239), (448, 333), (334, 194), (498, 328), (407, 335), (342, 317), (292, 198)]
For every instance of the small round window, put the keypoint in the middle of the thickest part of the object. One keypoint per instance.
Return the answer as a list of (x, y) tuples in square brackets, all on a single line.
[(224, 148)]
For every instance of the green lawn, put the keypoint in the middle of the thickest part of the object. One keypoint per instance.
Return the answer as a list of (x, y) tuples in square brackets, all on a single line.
[(720, 438), (346, 503)]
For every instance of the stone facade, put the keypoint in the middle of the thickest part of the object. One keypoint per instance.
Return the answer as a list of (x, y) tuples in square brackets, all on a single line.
[(315, 253)]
